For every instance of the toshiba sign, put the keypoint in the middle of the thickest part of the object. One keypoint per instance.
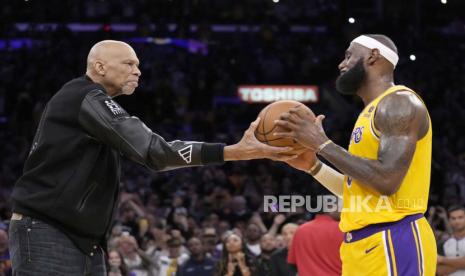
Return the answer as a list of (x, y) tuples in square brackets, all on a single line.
[(272, 93)]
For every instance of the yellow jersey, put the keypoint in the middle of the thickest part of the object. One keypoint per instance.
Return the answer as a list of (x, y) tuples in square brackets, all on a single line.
[(363, 205)]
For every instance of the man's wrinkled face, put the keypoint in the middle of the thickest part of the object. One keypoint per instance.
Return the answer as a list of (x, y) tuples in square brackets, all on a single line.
[(352, 70), (122, 70)]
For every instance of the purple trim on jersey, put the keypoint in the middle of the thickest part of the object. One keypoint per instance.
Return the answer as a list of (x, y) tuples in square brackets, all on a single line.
[(405, 249), (386, 238), (419, 247), (369, 230)]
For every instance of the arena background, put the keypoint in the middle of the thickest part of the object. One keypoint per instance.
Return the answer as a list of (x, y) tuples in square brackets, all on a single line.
[(194, 55)]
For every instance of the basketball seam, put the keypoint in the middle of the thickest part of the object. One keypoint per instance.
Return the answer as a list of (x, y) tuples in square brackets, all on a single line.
[(271, 130), (281, 138)]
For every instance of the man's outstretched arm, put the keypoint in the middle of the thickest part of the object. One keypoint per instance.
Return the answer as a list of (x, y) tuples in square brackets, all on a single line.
[(108, 123)]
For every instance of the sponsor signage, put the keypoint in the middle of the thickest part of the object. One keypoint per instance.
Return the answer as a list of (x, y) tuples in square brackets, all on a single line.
[(272, 93)]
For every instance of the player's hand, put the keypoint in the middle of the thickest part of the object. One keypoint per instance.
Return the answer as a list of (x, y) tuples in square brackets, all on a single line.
[(250, 148), (304, 161), (302, 127)]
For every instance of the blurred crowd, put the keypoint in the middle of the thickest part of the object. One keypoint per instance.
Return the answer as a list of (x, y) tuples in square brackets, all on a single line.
[(210, 220)]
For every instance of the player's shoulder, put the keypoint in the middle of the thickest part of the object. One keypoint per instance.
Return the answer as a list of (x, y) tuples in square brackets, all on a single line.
[(401, 110), (401, 99)]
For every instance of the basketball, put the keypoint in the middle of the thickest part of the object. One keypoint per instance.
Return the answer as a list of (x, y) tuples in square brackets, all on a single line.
[(267, 127)]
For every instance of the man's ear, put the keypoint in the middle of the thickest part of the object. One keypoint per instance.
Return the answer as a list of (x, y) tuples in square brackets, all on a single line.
[(99, 67), (374, 56)]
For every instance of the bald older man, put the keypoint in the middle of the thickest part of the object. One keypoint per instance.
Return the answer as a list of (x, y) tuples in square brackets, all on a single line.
[(64, 202)]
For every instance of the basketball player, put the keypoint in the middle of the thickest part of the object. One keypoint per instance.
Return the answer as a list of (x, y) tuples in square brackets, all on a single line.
[(386, 171), (64, 202)]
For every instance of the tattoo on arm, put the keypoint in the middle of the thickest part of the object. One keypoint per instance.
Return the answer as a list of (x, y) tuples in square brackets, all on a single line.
[(398, 118)]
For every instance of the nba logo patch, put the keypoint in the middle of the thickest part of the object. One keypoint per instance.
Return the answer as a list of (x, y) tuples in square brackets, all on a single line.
[(357, 135)]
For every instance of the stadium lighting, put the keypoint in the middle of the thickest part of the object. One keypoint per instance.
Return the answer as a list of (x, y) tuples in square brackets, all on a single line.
[(275, 1), (413, 57), (351, 20), (444, 1)]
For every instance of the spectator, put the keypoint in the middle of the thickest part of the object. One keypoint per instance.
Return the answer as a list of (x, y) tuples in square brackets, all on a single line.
[(453, 263), (235, 260), (253, 235), (209, 242), (279, 265), (280, 242), (116, 265), (437, 218), (198, 264), (135, 259), (267, 246), (168, 265), (315, 246)]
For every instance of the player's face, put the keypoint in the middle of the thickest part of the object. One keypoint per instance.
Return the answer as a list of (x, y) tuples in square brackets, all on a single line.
[(457, 220), (123, 71), (352, 72)]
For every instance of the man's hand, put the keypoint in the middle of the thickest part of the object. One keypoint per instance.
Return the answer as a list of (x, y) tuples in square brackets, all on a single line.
[(250, 148), (304, 161), (303, 128), (279, 219)]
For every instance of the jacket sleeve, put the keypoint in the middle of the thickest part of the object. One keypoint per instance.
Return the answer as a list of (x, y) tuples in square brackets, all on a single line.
[(106, 121)]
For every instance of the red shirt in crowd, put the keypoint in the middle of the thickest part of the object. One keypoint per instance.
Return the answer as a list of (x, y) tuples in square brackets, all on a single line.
[(315, 247)]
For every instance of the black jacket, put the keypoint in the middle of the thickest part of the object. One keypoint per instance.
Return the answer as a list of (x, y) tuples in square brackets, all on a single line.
[(72, 173), (279, 265)]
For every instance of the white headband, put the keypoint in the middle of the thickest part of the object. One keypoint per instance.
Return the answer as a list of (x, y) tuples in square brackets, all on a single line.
[(372, 43)]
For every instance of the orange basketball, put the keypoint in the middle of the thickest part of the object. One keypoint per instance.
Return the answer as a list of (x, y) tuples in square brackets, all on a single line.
[(267, 127)]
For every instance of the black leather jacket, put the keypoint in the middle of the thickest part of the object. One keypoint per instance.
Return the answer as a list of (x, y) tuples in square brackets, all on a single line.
[(71, 176)]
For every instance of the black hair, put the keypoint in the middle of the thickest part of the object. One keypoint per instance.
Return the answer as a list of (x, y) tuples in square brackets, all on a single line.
[(455, 208)]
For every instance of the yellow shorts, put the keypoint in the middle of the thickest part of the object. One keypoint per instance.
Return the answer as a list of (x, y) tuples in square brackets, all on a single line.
[(402, 248)]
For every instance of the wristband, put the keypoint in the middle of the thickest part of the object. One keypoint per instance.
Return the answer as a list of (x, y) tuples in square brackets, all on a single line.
[(322, 146)]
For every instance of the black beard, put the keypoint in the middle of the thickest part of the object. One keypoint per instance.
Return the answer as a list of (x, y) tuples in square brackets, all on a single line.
[(349, 82)]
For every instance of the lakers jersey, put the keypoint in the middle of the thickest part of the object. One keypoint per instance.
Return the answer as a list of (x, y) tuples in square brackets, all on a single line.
[(363, 205)]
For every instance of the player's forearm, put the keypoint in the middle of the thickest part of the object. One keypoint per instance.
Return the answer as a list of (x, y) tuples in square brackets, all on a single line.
[(329, 178), (368, 172)]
